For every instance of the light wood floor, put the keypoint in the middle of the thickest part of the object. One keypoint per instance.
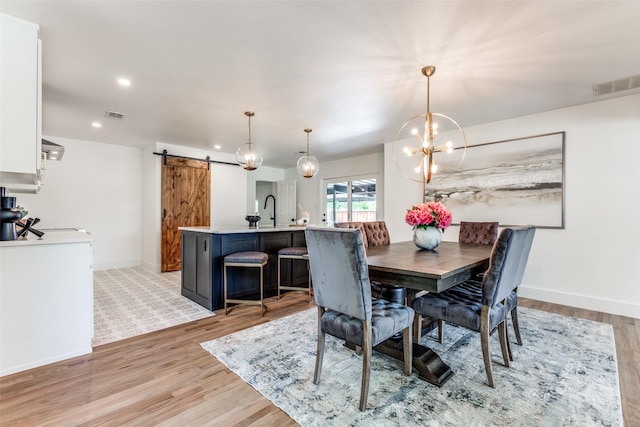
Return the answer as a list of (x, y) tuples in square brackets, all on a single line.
[(166, 378)]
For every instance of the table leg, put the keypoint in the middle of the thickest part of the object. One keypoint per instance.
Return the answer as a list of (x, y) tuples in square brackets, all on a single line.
[(429, 365)]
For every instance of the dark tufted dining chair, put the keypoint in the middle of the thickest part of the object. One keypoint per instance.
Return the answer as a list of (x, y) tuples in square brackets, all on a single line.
[(483, 233), (486, 233), (377, 233), (483, 309), (346, 309)]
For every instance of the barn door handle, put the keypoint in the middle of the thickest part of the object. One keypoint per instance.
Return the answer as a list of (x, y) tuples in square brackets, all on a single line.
[(164, 213)]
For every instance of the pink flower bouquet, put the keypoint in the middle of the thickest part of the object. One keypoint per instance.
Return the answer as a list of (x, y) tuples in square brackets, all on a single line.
[(430, 214)]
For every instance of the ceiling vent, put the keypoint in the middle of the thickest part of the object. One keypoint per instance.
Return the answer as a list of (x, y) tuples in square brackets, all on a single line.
[(114, 115), (627, 83)]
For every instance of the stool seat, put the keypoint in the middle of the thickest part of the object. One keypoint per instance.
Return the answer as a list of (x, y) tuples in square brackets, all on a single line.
[(293, 252), (253, 259)]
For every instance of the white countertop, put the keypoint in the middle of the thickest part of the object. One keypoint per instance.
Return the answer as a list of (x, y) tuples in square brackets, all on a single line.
[(232, 229), (52, 236)]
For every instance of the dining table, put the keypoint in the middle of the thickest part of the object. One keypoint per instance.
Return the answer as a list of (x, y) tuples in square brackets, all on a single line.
[(418, 270)]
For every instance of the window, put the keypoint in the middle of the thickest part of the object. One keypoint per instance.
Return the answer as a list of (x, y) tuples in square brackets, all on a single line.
[(350, 199)]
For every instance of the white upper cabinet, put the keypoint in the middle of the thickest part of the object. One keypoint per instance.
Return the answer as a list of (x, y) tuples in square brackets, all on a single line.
[(20, 104)]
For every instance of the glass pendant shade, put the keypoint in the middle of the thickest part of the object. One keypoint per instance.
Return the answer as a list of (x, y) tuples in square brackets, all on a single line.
[(249, 155), (429, 143), (308, 166)]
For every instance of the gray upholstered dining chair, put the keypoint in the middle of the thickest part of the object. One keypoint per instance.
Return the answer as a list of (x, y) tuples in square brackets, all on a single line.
[(483, 309), (375, 233), (486, 233), (482, 233), (346, 309), (354, 224)]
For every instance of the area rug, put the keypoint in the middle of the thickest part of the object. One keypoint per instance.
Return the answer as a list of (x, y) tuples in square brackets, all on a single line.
[(565, 374), (133, 301)]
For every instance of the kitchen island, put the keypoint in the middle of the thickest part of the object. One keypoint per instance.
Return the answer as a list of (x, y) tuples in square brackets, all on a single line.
[(203, 251)]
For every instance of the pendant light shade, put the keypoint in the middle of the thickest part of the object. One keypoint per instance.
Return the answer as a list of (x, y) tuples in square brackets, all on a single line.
[(249, 155), (308, 165), (426, 136)]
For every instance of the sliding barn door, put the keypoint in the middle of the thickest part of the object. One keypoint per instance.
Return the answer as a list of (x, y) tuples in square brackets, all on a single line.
[(186, 197)]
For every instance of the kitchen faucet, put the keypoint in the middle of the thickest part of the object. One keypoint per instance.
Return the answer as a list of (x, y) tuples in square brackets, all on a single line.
[(273, 217)]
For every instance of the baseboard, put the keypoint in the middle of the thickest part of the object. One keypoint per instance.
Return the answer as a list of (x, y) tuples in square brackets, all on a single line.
[(116, 264), (580, 301), (153, 268), (36, 364)]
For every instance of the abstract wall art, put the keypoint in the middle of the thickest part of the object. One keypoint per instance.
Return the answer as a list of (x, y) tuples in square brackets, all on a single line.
[(515, 182)]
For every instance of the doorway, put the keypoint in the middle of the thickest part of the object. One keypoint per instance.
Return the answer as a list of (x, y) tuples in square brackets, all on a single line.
[(350, 199), (285, 202)]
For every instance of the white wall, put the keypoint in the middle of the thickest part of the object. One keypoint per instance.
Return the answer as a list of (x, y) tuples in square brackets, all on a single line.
[(310, 192), (592, 263), (96, 187)]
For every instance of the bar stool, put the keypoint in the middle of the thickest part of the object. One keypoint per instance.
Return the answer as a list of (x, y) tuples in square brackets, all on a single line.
[(250, 259), (295, 252)]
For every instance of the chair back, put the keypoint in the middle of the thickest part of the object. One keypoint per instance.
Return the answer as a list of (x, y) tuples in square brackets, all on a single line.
[(377, 233), (507, 264), (356, 224), (484, 233), (339, 270)]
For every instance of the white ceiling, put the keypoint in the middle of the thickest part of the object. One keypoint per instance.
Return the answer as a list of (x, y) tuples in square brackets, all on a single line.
[(350, 70)]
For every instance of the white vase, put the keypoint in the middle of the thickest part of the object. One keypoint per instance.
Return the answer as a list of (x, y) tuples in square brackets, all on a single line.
[(427, 238)]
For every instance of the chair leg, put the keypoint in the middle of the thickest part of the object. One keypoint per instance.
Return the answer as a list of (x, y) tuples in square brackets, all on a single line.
[(366, 364), (407, 344), (504, 343), (506, 329), (319, 350), (310, 285), (279, 277), (485, 335), (440, 331), (417, 328), (225, 289), (263, 307), (516, 326)]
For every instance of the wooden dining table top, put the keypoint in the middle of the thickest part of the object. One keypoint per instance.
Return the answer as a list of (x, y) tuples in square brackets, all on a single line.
[(404, 264)]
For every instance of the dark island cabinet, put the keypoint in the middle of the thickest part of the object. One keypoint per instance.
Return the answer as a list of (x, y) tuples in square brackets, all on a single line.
[(196, 268), (203, 258)]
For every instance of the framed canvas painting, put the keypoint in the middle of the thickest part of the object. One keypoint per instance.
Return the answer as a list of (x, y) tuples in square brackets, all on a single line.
[(515, 182)]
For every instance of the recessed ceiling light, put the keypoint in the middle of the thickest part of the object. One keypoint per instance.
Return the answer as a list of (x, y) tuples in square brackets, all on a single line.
[(124, 82), (217, 146), (96, 125)]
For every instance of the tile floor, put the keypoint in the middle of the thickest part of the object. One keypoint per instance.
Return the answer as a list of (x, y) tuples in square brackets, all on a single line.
[(134, 301)]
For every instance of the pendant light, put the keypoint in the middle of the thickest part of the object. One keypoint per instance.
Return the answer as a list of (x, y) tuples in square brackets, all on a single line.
[(308, 165), (424, 136), (249, 155)]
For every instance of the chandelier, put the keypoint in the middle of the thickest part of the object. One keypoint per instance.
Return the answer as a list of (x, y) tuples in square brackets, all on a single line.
[(424, 136), (249, 155), (308, 165)]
